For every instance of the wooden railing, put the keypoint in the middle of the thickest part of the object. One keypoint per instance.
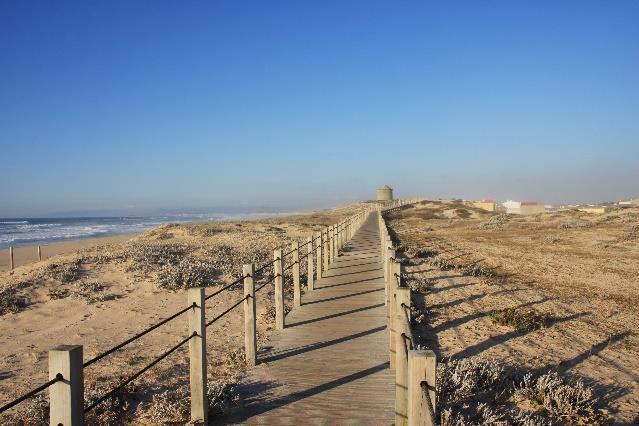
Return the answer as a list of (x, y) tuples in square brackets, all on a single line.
[(67, 367), (415, 369)]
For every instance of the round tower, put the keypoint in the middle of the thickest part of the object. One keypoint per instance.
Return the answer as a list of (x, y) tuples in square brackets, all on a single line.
[(385, 193)]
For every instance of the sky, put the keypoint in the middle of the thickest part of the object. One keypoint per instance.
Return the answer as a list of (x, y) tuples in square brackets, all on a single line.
[(146, 105)]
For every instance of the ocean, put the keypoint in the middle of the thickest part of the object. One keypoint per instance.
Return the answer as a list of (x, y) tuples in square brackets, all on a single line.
[(18, 232)]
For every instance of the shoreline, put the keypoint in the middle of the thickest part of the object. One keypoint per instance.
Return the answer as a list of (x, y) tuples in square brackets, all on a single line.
[(24, 255)]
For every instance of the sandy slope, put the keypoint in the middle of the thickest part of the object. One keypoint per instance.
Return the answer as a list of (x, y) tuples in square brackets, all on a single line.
[(131, 291), (586, 276)]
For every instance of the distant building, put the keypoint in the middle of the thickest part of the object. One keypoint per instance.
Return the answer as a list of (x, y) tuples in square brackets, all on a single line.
[(629, 202), (594, 209), (512, 207), (488, 205), (385, 193), (523, 207), (531, 207)]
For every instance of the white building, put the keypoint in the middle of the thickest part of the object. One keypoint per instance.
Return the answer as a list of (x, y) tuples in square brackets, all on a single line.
[(629, 202), (523, 207), (512, 207)]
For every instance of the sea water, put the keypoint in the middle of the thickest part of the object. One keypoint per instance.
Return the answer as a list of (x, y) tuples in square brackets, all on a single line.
[(28, 231)]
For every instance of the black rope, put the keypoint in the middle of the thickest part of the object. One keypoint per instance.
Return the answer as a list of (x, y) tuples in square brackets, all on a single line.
[(261, 268), (137, 336), (399, 280), (307, 243), (136, 375), (406, 310), (408, 345), (268, 282), (31, 393), (289, 266), (228, 310), (431, 411), (239, 280)]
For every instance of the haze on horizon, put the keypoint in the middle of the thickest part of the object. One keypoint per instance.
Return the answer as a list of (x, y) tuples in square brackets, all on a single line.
[(149, 106)]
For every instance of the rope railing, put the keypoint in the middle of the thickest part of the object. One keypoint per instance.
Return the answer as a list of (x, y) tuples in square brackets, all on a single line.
[(136, 337), (235, 305), (426, 388), (136, 375), (261, 268), (326, 245), (33, 392), (266, 283), (413, 366), (226, 287)]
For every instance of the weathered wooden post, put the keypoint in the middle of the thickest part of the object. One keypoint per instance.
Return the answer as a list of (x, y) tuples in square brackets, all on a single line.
[(318, 249), (197, 355), (330, 245), (390, 257), (393, 285), (297, 289), (11, 258), (310, 282), (422, 366), (326, 252), (279, 289), (250, 338), (401, 371), (66, 397), (39, 253)]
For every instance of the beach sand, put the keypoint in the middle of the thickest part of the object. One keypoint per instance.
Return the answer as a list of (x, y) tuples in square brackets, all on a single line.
[(99, 292), (29, 254)]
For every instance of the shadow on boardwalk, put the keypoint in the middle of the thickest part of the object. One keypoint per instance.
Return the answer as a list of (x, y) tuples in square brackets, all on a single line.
[(330, 363)]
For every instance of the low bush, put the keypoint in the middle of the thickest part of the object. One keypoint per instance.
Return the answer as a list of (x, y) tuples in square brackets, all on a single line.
[(521, 320), (476, 391)]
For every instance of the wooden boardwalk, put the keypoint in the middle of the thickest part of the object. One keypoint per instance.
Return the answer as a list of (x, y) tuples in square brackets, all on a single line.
[(329, 366)]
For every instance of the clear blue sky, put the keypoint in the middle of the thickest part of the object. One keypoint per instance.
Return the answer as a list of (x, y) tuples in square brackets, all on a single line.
[(145, 105)]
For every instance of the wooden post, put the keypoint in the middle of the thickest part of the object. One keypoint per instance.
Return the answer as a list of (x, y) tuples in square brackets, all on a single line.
[(297, 289), (395, 269), (318, 249), (422, 366), (66, 397), (250, 340), (197, 355), (39, 253), (279, 289), (310, 282), (390, 255), (401, 371), (326, 253), (330, 244), (11, 258)]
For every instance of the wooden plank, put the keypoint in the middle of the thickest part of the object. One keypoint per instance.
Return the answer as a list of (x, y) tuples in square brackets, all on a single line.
[(330, 364)]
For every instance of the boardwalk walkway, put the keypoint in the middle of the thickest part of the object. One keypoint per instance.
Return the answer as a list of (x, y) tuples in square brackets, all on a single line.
[(329, 366)]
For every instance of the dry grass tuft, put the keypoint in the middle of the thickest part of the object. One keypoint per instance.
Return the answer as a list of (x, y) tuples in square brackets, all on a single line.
[(11, 301), (497, 222), (521, 320), (551, 239), (66, 273), (475, 391), (575, 224)]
